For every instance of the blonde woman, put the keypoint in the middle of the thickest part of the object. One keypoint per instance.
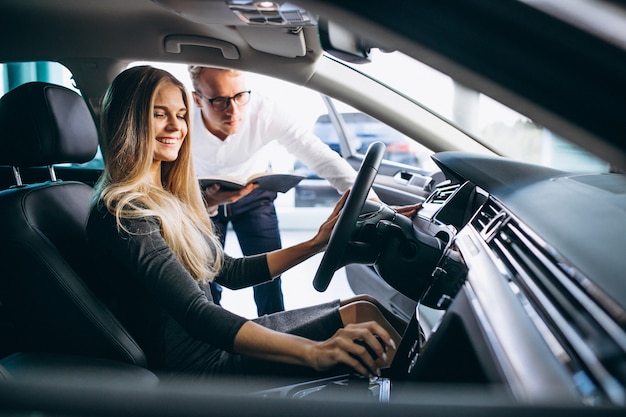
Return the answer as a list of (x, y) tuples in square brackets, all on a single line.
[(158, 252)]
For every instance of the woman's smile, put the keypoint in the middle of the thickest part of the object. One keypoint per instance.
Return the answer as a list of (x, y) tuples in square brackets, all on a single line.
[(169, 122), (168, 140)]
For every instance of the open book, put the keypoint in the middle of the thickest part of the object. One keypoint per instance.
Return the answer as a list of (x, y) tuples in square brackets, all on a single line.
[(266, 180)]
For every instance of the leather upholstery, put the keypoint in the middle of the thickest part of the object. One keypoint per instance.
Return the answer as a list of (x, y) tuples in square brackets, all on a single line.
[(27, 367), (41, 124), (45, 302)]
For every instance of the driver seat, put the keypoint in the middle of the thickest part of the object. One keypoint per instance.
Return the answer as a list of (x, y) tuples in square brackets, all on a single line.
[(45, 302)]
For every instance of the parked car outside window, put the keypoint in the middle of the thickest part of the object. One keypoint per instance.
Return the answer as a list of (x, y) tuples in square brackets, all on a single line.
[(359, 132)]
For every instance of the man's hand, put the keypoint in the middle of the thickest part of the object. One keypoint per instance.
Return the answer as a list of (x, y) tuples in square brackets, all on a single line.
[(408, 211), (214, 196)]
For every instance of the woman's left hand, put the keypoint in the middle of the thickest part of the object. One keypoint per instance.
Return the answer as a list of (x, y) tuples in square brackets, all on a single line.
[(280, 260), (323, 234)]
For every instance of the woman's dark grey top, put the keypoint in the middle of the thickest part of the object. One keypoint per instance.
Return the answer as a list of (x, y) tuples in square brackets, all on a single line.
[(170, 315), (150, 291)]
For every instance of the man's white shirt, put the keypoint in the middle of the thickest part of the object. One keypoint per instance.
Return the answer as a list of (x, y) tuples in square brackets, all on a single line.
[(249, 152)]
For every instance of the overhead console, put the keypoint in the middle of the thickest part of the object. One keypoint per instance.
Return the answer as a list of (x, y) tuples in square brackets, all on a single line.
[(276, 28)]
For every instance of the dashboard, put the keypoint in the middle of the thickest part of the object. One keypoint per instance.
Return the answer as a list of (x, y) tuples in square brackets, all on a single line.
[(531, 278), (527, 301)]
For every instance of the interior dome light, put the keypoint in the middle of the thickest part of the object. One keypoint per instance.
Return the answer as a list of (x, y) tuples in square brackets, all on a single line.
[(266, 5)]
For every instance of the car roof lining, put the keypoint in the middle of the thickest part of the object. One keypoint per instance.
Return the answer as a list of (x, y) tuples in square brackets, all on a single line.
[(541, 80), (459, 52)]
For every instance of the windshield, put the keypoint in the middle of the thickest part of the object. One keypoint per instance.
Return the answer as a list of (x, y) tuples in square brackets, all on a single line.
[(504, 130)]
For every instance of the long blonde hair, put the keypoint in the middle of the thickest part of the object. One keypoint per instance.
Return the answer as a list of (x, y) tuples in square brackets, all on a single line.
[(125, 186)]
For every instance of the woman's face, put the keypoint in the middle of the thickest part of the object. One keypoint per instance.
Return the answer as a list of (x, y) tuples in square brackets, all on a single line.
[(170, 126)]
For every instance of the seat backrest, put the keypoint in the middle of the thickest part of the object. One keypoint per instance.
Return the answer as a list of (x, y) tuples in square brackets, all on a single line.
[(45, 302)]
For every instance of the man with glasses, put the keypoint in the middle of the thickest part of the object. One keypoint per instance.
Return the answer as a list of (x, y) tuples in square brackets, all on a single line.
[(232, 127)]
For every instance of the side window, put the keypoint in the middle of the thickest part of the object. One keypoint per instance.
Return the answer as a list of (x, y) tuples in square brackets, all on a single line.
[(15, 74), (350, 132), (18, 73), (361, 130)]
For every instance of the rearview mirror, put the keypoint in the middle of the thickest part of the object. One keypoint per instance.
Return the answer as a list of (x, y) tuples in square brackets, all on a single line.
[(342, 43)]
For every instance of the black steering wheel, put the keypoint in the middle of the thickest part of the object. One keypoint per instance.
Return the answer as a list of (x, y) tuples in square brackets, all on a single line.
[(333, 257)]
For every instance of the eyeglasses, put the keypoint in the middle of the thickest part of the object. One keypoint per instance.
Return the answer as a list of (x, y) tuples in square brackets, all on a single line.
[(222, 103)]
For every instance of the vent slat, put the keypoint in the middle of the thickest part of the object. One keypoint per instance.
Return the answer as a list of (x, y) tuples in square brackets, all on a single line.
[(442, 193)]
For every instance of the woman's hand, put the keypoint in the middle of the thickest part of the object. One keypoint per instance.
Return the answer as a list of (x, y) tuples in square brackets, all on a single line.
[(325, 230), (323, 234), (280, 260), (348, 346)]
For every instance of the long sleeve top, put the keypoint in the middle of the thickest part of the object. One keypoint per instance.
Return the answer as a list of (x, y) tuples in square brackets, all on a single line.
[(171, 315), (247, 152)]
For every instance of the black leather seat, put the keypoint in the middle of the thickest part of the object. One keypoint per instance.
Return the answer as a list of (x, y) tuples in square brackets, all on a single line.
[(45, 304), (72, 369)]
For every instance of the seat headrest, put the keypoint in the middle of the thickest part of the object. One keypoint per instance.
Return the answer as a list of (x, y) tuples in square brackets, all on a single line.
[(45, 124)]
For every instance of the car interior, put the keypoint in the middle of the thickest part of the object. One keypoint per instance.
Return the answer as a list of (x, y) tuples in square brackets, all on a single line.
[(509, 279)]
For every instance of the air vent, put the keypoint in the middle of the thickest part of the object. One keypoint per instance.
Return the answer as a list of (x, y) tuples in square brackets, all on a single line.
[(591, 344), (442, 193), (436, 200), (489, 219)]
